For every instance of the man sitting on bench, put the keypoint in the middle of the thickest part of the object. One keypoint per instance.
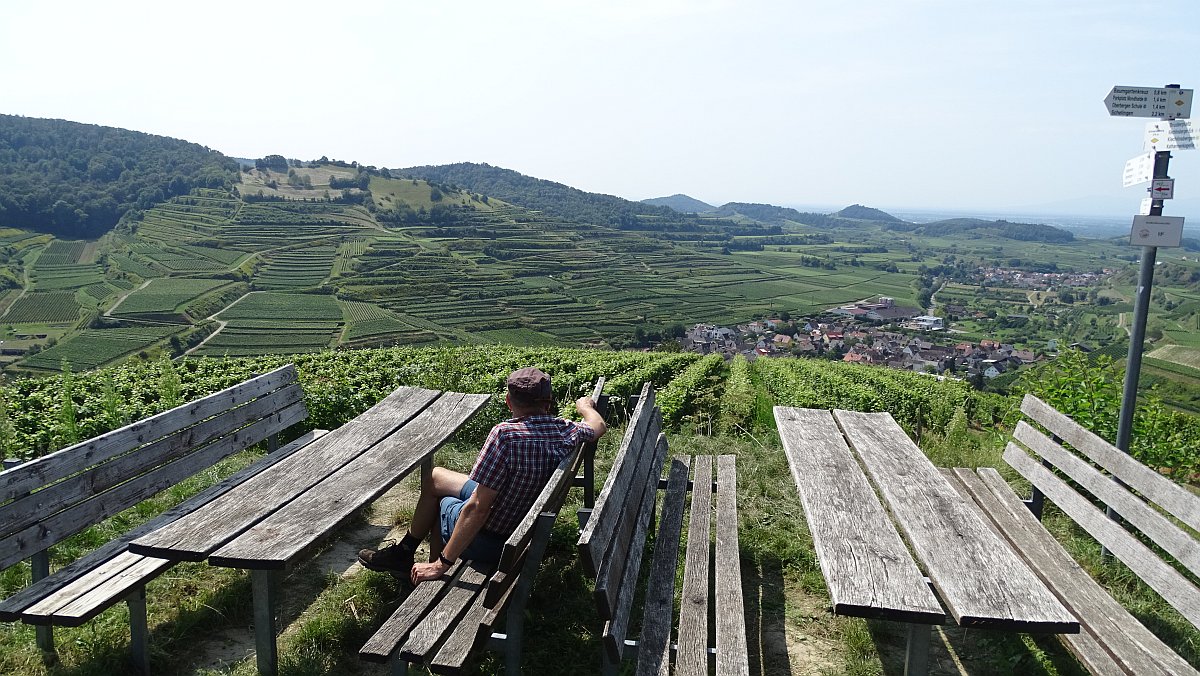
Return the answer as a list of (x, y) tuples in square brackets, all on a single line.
[(477, 512)]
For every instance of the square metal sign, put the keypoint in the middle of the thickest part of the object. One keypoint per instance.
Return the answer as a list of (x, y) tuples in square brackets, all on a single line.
[(1156, 231)]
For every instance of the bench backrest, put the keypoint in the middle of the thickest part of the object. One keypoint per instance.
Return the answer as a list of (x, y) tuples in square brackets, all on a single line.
[(611, 544), (1092, 464), (48, 499)]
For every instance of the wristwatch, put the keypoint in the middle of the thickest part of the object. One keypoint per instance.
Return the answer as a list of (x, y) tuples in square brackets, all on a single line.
[(443, 559)]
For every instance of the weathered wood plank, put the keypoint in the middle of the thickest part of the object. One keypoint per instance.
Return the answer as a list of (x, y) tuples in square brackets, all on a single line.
[(654, 646), (866, 565), (279, 538), (428, 634), (1131, 508), (420, 601), (1177, 500), (732, 655), (629, 536), (11, 607), (70, 521), (979, 578), (631, 548), (83, 599), (692, 656), (463, 638), (49, 468), (195, 536), (1162, 578), (594, 539), (175, 447), (1106, 627)]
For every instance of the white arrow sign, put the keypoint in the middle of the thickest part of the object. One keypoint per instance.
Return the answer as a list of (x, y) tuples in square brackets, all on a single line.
[(1138, 170), (1162, 188), (1177, 135), (1157, 231), (1160, 102)]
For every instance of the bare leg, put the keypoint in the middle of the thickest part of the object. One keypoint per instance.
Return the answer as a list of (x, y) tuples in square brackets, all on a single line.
[(444, 483)]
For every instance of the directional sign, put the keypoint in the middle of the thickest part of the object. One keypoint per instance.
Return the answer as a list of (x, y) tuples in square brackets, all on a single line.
[(1138, 170), (1162, 188), (1156, 231), (1160, 102), (1177, 135), (1145, 207)]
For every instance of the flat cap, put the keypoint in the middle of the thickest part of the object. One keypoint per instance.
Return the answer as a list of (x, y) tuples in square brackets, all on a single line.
[(530, 383)]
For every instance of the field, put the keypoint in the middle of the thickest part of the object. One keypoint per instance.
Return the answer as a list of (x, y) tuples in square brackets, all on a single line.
[(328, 616), (165, 296), (45, 307), (1185, 355), (91, 348)]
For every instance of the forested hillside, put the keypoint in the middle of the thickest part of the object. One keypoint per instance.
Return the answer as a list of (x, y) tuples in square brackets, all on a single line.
[(78, 180)]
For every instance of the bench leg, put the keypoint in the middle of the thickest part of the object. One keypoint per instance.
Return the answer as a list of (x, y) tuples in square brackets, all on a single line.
[(514, 623), (39, 564), (138, 632), (916, 655), (435, 533), (607, 666), (265, 585), (399, 666)]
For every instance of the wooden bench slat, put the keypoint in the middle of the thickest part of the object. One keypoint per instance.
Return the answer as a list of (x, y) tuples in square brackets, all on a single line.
[(463, 637), (82, 569), (1151, 522), (66, 462), (1162, 578), (68, 522), (427, 635), (195, 537), (631, 548), (692, 656), (732, 654), (282, 536), (384, 641), (85, 598), (865, 563), (1176, 499), (654, 646), (594, 540), (629, 536), (1107, 628), (180, 447), (963, 570)]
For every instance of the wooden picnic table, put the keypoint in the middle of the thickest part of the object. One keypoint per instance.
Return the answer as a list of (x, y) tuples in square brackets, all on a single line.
[(863, 540), (269, 522)]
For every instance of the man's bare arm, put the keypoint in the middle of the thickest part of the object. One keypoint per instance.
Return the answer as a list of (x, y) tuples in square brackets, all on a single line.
[(587, 410)]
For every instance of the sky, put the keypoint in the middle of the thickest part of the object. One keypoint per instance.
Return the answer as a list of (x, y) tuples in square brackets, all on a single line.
[(902, 104)]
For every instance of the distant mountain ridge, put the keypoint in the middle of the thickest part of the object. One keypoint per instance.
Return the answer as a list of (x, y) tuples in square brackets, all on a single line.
[(682, 203), (768, 213), (859, 212)]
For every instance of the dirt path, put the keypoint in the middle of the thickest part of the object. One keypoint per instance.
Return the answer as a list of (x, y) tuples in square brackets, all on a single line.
[(122, 297), (236, 644)]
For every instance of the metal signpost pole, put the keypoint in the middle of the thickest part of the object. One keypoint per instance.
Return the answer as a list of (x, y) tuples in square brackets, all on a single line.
[(1150, 228)]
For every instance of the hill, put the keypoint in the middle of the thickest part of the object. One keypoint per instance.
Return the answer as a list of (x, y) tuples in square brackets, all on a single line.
[(974, 227), (79, 180), (767, 213), (681, 203), (859, 212)]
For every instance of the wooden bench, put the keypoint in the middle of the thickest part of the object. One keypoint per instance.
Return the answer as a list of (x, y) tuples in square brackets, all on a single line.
[(442, 622), (1059, 462), (46, 500), (613, 540)]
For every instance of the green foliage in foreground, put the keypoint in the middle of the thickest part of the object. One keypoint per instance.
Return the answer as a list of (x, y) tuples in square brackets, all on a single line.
[(1089, 390)]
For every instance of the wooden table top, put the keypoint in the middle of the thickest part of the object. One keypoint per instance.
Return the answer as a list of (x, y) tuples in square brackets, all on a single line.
[(980, 581), (272, 518)]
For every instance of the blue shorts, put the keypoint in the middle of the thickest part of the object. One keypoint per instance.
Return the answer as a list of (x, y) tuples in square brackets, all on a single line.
[(487, 546)]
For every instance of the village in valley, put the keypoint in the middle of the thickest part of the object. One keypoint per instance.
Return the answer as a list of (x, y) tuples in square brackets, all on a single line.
[(876, 332)]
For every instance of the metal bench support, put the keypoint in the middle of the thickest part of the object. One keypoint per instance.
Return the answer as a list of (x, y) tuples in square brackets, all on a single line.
[(265, 585), (139, 634)]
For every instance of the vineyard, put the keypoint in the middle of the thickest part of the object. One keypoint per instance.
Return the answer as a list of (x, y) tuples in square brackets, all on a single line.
[(696, 392)]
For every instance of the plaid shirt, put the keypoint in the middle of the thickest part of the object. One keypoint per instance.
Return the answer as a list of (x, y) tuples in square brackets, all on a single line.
[(517, 460)]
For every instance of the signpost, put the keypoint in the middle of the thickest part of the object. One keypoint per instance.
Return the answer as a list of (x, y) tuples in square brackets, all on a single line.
[(1150, 228), (1165, 103), (1177, 135)]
